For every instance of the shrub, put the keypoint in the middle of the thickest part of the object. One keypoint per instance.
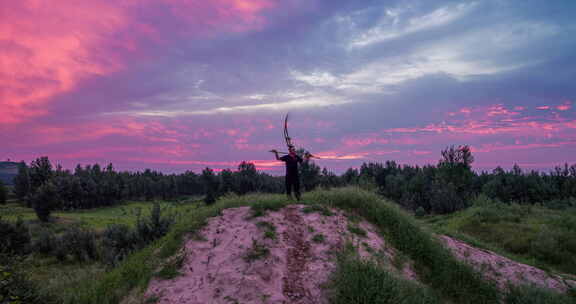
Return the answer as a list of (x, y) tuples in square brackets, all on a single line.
[(420, 212), (15, 287), (79, 243), (561, 204), (45, 243), (14, 237), (153, 227), (118, 241)]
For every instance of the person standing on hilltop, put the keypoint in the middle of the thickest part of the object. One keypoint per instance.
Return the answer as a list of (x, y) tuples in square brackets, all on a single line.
[(292, 179)]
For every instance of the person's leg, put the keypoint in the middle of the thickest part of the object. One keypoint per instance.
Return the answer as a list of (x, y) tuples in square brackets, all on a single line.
[(288, 184), (297, 188)]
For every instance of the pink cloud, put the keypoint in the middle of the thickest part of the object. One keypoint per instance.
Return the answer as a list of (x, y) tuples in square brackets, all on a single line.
[(48, 49)]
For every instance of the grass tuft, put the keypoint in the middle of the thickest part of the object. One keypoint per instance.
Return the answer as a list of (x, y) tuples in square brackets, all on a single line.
[(357, 230), (323, 210), (318, 238), (256, 252), (362, 281)]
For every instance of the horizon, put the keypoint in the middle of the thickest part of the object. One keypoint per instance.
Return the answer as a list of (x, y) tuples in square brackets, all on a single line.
[(180, 85)]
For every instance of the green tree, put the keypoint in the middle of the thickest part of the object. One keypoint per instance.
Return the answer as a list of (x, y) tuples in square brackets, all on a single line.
[(44, 201), (40, 172), (455, 167), (22, 181), (210, 182), (3, 193), (310, 175), (247, 178)]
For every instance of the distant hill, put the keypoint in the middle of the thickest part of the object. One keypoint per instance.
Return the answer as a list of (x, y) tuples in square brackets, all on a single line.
[(8, 170)]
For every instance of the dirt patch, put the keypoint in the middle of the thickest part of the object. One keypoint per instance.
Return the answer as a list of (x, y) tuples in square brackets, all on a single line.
[(291, 255), (503, 270)]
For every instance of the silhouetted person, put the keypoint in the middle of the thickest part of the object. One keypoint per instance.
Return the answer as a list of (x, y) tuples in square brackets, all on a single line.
[(292, 179)]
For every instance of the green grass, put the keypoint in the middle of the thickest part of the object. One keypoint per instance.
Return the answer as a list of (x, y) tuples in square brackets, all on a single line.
[(318, 238), (536, 295), (269, 229), (362, 281), (356, 281), (97, 218), (435, 265), (134, 273), (256, 252), (529, 234), (317, 208), (357, 230), (172, 268)]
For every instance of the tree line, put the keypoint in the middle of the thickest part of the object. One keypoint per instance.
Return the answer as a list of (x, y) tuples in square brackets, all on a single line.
[(448, 186), (452, 185)]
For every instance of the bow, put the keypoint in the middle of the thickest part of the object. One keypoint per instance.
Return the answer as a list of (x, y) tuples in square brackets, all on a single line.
[(287, 137), (288, 140)]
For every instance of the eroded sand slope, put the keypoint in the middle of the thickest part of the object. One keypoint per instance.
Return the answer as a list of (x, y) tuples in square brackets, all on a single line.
[(218, 270)]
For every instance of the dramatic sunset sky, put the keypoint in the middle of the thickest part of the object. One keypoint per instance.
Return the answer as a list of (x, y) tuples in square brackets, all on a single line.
[(176, 85)]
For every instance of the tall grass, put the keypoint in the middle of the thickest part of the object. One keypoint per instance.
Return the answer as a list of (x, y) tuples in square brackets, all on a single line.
[(356, 281), (530, 234), (359, 281), (435, 265), (138, 268)]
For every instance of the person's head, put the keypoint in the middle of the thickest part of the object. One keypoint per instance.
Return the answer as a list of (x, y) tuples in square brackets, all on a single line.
[(292, 150)]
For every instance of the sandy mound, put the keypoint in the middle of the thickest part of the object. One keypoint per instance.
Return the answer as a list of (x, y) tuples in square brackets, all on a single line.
[(503, 270), (282, 257)]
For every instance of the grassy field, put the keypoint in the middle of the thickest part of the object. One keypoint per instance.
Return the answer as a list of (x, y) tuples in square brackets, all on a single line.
[(444, 279), (97, 218), (530, 234)]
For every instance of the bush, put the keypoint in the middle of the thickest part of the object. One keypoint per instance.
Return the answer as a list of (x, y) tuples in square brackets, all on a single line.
[(153, 227), (15, 287), (561, 204), (45, 243), (79, 243), (420, 212), (118, 241), (14, 237)]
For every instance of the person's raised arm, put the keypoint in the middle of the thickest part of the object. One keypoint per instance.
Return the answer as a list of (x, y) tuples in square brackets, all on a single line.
[(275, 153)]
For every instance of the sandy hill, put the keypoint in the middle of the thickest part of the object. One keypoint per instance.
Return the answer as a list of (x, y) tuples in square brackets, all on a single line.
[(291, 255)]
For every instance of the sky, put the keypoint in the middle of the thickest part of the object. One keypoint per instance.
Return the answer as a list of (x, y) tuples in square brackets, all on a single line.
[(177, 85)]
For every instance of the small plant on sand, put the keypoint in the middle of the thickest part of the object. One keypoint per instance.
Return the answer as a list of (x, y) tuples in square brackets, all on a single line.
[(266, 225), (368, 248), (257, 251), (317, 208), (269, 229), (354, 218), (171, 269), (318, 238), (231, 300), (357, 230), (259, 208)]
